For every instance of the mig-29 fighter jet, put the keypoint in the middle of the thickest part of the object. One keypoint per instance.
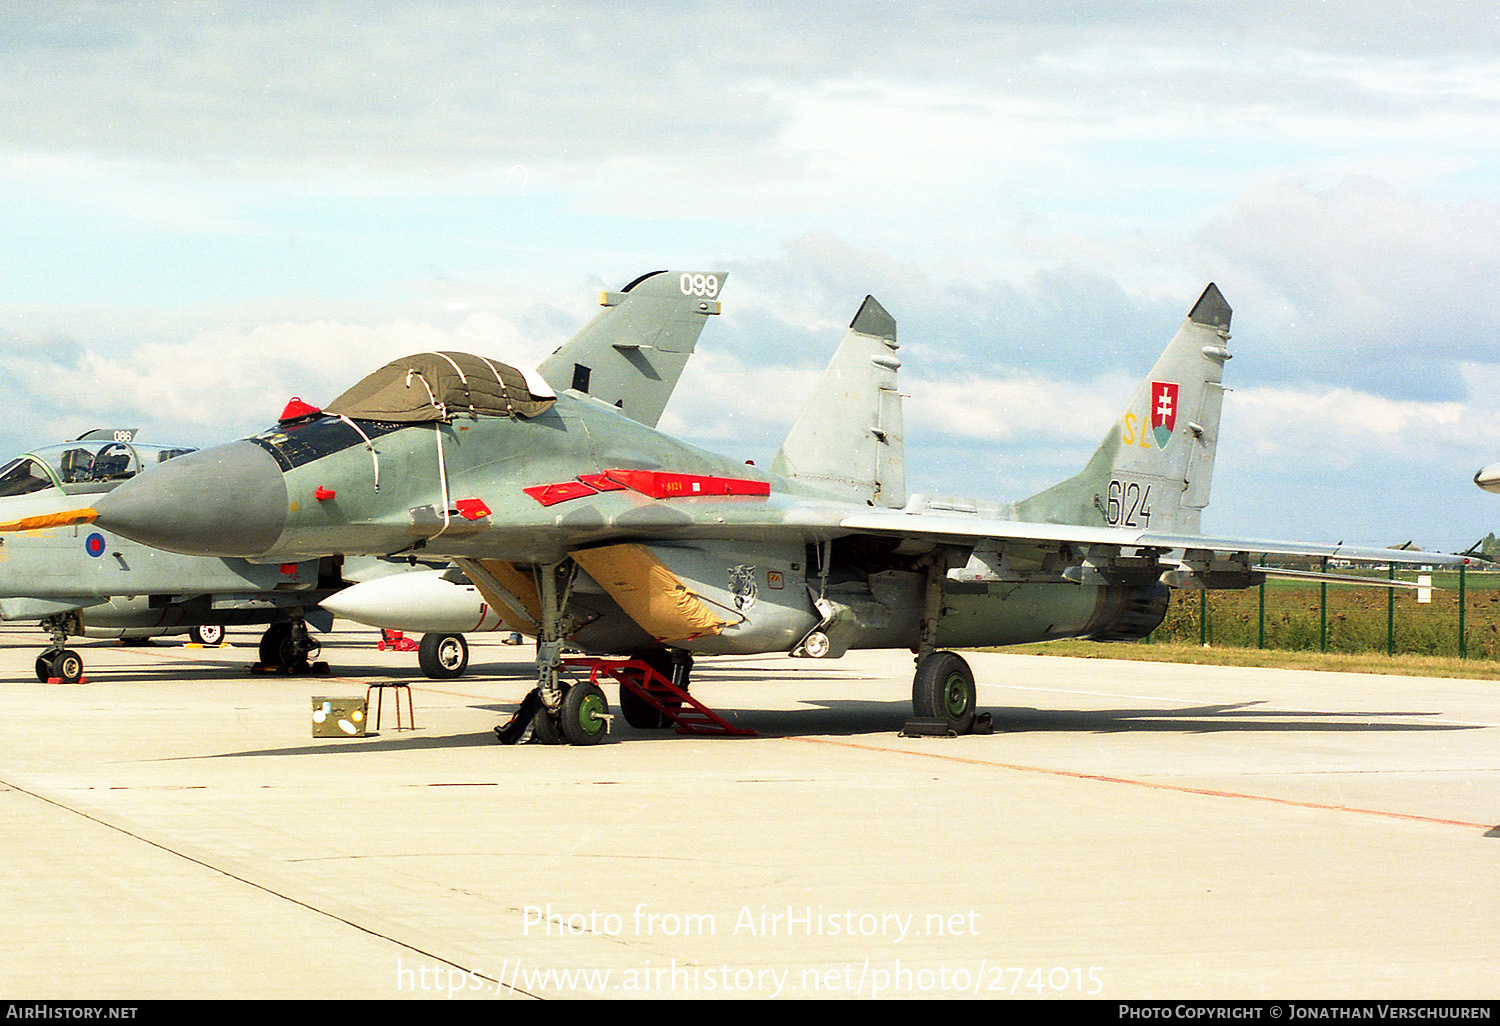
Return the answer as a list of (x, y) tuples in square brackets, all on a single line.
[(595, 532), (630, 355)]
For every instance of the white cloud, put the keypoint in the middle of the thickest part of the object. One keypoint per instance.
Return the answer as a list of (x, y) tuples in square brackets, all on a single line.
[(227, 382), (1341, 426), (214, 209), (1064, 413)]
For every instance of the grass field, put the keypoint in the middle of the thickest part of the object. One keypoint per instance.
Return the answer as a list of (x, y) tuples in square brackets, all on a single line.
[(1339, 662), (1355, 620), (1351, 633)]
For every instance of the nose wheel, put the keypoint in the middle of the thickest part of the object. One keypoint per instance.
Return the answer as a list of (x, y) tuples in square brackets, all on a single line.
[(556, 711), (582, 718), (62, 665), (59, 662)]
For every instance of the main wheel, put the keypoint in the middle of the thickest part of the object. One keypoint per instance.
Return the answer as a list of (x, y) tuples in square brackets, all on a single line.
[(208, 634), (583, 717), (443, 656), (637, 711), (281, 646), (67, 666), (944, 687), (544, 729), (44, 665)]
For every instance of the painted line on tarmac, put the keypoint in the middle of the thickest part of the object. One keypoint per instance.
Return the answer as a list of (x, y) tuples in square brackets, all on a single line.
[(264, 888), (1157, 786)]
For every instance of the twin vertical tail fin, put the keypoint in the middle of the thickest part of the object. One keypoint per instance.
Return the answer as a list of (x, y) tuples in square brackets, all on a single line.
[(633, 352), (849, 440), (1155, 465)]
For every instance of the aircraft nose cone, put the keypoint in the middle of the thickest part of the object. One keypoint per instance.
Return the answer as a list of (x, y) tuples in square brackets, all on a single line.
[(227, 501)]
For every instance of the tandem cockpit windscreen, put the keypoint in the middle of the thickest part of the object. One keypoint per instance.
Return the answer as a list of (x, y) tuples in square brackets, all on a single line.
[(95, 462)]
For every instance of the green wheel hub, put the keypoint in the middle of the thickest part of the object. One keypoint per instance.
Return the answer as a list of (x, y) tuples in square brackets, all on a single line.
[(584, 717), (956, 695)]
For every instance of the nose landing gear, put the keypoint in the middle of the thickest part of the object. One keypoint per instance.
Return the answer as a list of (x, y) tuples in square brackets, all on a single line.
[(58, 664)]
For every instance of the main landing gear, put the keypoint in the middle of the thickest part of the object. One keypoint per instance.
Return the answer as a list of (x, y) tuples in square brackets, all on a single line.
[(443, 656), (209, 635), (943, 697), (288, 648), (676, 666)]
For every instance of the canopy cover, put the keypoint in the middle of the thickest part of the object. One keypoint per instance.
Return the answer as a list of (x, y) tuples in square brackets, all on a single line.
[(438, 387)]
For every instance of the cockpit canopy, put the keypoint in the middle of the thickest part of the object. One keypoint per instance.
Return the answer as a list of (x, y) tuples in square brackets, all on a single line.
[(440, 386), (95, 462)]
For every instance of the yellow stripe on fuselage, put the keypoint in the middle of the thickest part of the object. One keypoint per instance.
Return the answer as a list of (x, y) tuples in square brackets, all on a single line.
[(42, 521)]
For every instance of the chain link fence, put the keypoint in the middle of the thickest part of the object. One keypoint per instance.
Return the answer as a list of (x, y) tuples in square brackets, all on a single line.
[(1457, 616)]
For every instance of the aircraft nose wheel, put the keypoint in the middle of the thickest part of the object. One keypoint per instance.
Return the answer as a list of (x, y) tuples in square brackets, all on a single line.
[(65, 665), (286, 647), (582, 719)]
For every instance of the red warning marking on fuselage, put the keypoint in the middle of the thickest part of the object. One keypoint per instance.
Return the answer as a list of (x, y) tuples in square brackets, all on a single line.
[(656, 484)]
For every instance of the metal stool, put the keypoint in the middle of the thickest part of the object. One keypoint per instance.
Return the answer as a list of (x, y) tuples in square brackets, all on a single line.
[(379, 690)]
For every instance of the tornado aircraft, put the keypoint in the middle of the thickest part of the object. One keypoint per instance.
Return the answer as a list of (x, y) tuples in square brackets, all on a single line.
[(95, 583), (589, 530)]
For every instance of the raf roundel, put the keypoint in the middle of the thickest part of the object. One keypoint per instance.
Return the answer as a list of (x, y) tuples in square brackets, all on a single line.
[(94, 544)]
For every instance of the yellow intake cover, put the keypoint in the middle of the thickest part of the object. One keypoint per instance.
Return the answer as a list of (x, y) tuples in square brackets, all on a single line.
[(650, 594), (522, 588)]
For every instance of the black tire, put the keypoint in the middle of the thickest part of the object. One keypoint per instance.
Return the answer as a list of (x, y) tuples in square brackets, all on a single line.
[(544, 728), (944, 687), (44, 665), (279, 649), (637, 711), (275, 644), (208, 634), (67, 666), (443, 656), (583, 717)]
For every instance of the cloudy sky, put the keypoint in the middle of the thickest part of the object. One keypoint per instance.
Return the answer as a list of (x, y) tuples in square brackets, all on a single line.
[(206, 208)]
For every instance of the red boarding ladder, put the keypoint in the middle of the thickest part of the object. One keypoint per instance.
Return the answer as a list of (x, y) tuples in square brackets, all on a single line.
[(690, 715)]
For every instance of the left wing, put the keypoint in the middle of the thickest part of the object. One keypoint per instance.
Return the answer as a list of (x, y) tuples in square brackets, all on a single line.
[(1189, 560)]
